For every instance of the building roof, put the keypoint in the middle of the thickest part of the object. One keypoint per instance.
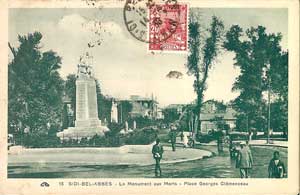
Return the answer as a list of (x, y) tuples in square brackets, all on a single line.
[(174, 106), (138, 98), (228, 115)]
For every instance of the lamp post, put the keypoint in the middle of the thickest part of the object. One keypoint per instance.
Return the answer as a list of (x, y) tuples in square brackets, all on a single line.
[(247, 123), (269, 104)]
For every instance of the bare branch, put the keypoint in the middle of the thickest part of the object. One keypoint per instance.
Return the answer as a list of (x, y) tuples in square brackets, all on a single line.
[(13, 51)]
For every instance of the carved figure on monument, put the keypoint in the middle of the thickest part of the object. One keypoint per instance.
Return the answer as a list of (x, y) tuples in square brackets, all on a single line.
[(85, 66)]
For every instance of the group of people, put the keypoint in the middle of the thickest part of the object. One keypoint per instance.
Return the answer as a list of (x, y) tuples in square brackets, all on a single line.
[(187, 141), (244, 158), (244, 162)]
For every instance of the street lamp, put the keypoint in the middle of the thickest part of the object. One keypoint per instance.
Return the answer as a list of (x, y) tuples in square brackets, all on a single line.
[(247, 123), (269, 103)]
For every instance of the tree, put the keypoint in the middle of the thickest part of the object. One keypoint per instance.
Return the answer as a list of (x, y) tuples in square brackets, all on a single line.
[(170, 115), (203, 49), (263, 65), (279, 88), (70, 91), (124, 109), (34, 86), (65, 117), (104, 104)]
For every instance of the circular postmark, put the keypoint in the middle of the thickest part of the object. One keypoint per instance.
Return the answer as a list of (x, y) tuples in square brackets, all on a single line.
[(149, 21)]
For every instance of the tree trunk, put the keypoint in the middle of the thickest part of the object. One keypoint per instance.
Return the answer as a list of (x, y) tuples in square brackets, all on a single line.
[(196, 124)]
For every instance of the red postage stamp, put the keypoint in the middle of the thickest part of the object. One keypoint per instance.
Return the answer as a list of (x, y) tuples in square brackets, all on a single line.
[(168, 23)]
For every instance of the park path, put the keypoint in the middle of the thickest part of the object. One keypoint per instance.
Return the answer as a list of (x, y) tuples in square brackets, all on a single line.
[(139, 155), (218, 166)]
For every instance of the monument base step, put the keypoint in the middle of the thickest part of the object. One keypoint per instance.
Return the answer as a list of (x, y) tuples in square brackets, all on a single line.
[(81, 132), (88, 123)]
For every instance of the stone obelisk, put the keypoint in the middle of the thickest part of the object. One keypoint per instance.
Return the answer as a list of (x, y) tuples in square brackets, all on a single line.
[(87, 123)]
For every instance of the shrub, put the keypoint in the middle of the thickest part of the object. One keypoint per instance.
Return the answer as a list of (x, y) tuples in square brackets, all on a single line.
[(142, 137), (40, 141)]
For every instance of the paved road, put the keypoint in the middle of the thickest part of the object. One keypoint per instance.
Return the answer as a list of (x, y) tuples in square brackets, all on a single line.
[(219, 166)]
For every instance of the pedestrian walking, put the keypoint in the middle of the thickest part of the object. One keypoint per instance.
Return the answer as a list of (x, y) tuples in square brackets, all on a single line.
[(157, 151), (185, 140), (173, 135), (220, 141), (181, 136), (191, 141), (244, 161), (232, 149), (276, 167)]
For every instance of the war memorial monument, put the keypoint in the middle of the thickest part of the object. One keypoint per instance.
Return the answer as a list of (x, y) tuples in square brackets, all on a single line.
[(87, 123)]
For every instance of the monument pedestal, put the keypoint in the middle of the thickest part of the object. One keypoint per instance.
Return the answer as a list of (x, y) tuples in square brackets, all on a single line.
[(78, 133), (87, 123)]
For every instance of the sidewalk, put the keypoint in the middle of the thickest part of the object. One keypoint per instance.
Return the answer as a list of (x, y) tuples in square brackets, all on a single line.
[(253, 142), (264, 143)]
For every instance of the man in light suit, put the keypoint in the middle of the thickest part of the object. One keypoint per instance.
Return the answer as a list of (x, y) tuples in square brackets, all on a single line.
[(244, 161)]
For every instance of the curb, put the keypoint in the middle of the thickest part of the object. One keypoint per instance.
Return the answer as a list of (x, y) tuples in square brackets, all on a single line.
[(269, 145)]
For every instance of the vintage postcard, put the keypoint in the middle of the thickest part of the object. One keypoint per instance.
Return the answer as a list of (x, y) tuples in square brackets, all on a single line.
[(149, 97)]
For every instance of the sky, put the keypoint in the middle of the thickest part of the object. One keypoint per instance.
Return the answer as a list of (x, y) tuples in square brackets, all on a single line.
[(122, 63)]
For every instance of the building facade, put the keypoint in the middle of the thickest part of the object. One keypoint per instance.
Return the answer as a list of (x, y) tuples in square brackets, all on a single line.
[(137, 106), (217, 116)]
